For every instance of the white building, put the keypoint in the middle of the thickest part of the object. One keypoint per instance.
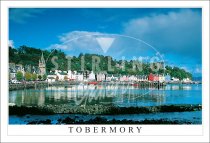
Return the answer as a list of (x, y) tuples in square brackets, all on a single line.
[(61, 74), (123, 78), (174, 79), (161, 78), (91, 76), (132, 78), (79, 77), (71, 75), (101, 77), (186, 80)]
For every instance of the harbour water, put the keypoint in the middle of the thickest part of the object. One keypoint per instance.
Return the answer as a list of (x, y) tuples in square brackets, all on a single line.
[(122, 96)]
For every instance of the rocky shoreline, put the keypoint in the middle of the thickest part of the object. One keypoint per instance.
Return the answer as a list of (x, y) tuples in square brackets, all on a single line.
[(101, 120), (99, 109)]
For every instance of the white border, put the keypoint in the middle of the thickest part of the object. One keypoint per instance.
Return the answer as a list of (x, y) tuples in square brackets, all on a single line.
[(175, 133)]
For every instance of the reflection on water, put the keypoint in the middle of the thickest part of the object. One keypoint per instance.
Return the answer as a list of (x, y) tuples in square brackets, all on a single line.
[(109, 94)]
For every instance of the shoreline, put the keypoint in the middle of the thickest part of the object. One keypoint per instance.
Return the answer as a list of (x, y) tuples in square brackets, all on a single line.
[(44, 84), (99, 109), (78, 119)]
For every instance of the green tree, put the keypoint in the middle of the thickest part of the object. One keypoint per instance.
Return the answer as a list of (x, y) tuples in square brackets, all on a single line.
[(39, 77), (28, 76), (28, 56), (34, 76), (44, 77), (19, 76)]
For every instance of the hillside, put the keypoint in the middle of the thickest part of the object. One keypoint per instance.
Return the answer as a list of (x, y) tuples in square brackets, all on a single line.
[(30, 56)]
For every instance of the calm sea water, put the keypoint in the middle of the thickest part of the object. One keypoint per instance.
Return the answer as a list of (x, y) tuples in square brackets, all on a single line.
[(116, 95)]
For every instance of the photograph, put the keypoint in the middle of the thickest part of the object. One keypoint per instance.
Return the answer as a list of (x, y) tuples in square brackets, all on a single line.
[(105, 66), (104, 71)]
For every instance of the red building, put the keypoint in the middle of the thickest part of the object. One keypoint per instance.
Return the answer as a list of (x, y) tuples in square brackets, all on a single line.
[(156, 78), (153, 77)]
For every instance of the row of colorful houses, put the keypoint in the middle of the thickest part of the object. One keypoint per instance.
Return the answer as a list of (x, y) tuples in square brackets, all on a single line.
[(160, 78), (85, 75), (59, 75), (91, 76)]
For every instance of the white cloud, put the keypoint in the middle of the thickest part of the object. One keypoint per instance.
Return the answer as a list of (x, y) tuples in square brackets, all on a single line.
[(177, 32), (117, 46), (79, 41), (11, 43), (173, 35), (76, 42)]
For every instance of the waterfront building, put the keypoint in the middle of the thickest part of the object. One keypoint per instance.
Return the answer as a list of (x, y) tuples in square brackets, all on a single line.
[(71, 75), (151, 77), (12, 75), (91, 76), (174, 79), (186, 80), (132, 78), (51, 77), (123, 78), (143, 78), (13, 69), (100, 77), (167, 78), (61, 74), (19, 67), (111, 77), (79, 76), (86, 74), (156, 77), (161, 78)]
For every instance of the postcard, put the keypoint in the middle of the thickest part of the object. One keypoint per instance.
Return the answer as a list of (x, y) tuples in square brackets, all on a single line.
[(104, 71)]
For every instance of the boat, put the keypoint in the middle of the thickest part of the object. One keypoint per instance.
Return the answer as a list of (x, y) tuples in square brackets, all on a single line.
[(92, 82)]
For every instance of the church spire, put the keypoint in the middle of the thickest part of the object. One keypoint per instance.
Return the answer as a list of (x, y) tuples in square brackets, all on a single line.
[(42, 59), (42, 66)]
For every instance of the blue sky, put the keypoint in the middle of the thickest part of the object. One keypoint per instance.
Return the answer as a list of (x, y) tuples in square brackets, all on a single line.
[(174, 33)]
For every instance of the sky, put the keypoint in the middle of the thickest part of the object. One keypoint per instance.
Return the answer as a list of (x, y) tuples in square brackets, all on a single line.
[(170, 34)]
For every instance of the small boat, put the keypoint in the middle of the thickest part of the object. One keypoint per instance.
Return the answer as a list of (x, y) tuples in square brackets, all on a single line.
[(11, 104), (135, 84), (93, 82)]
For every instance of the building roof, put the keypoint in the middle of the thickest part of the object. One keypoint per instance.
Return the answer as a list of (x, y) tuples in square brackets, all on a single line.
[(50, 77), (62, 73)]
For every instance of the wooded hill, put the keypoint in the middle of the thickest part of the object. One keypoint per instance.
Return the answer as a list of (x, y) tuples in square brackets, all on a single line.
[(30, 56)]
